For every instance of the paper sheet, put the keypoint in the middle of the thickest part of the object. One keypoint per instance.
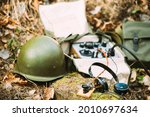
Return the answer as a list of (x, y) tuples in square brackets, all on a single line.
[(64, 18)]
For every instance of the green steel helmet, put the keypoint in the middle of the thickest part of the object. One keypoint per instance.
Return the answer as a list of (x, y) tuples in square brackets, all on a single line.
[(41, 59)]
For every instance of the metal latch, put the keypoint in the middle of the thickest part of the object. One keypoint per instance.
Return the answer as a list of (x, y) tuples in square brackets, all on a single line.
[(135, 42)]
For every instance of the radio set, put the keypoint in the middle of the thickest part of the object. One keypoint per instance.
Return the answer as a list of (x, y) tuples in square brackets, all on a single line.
[(86, 52)]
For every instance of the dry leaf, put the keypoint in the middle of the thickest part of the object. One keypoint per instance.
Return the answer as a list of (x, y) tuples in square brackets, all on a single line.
[(96, 10), (36, 4), (11, 26), (4, 40), (4, 20), (36, 97), (7, 7), (133, 75), (13, 21), (48, 93), (4, 54), (9, 78), (98, 22), (146, 80), (31, 92), (21, 8), (108, 26), (11, 66)]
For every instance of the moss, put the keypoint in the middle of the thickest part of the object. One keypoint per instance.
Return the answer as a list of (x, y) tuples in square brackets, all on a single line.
[(105, 96), (67, 88)]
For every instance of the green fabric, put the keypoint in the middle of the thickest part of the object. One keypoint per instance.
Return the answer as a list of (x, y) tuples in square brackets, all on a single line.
[(140, 30)]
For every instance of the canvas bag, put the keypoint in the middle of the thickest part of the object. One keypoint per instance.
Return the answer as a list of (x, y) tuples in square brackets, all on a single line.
[(136, 37)]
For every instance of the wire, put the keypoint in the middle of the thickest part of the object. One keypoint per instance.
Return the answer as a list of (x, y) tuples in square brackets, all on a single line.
[(104, 53), (115, 64)]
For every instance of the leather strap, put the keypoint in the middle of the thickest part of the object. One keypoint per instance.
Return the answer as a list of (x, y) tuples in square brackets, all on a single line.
[(135, 42)]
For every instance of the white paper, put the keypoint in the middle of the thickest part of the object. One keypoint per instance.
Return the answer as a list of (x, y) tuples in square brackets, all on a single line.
[(64, 18)]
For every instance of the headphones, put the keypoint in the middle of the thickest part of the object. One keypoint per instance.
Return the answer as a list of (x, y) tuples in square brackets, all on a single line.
[(102, 86)]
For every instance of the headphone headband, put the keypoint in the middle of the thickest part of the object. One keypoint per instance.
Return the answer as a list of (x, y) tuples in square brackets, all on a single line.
[(106, 68)]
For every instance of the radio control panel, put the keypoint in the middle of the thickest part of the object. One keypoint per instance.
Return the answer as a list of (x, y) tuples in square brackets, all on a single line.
[(84, 54), (92, 50)]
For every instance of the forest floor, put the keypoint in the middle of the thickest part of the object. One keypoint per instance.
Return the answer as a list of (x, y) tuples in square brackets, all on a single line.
[(20, 21)]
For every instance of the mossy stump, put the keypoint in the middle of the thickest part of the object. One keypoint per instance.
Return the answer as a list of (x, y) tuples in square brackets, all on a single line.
[(67, 87)]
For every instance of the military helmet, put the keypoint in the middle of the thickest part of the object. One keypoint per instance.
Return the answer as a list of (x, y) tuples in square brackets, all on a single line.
[(41, 59)]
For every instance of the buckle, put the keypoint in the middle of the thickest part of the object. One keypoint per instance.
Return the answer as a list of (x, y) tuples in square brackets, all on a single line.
[(135, 42)]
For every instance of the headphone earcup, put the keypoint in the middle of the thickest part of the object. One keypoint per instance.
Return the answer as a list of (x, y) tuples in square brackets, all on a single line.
[(101, 85)]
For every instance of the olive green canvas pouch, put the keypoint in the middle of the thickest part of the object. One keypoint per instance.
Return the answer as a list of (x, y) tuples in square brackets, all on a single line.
[(136, 38)]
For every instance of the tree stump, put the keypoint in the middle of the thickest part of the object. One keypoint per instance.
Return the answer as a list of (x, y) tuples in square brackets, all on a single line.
[(67, 88)]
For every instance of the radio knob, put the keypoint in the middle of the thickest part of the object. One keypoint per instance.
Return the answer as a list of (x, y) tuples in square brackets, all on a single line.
[(96, 45), (89, 45), (81, 45), (86, 51), (104, 44)]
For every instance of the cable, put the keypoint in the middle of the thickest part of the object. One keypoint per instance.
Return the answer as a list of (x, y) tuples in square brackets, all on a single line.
[(100, 33), (144, 67), (115, 64), (113, 61), (104, 53)]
